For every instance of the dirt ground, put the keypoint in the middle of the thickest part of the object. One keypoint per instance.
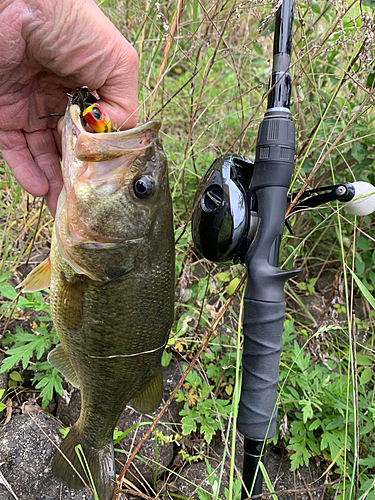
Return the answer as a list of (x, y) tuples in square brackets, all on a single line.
[(28, 443)]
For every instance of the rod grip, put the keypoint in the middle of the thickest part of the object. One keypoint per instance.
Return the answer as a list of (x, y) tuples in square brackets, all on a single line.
[(260, 360)]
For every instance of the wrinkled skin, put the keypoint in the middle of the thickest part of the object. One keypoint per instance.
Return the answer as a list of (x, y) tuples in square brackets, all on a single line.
[(48, 47)]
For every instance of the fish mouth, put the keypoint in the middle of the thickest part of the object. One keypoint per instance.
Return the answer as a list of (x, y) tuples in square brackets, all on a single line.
[(103, 160), (96, 147), (75, 113)]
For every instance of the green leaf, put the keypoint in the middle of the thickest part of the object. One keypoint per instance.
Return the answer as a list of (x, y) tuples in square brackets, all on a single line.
[(223, 276), (301, 361), (331, 441), (358, 151), (368, 488), (40, 366), (288, 332), (10, 361), (371, 275), (315, 425), (368, 461), (360, 267), (193, 379), (369, 3), (24, 353), (315, 6), (49, 383), (15, 376), (233, 285), (326, 96), (237, 487), (300, 457), (208, 428), (363, 360), (307, 410), (213, 371), (258, 48), (5, 277), (19, 338), (25, 344), (64, 432), (229, 389), (202, 288), (362, 243), (7, 291), (202, 495), (188, 425), (180, 396), (2, 405), (166, 358), (335, 422), (365, 376)]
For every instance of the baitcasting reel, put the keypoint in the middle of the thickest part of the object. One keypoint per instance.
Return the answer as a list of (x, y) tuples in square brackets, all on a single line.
[(225, 219)]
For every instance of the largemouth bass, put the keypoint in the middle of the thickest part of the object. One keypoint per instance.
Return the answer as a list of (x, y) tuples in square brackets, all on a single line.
[(112, 284)]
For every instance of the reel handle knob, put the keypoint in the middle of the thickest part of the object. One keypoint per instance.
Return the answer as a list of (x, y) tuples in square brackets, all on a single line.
[(363, 201)]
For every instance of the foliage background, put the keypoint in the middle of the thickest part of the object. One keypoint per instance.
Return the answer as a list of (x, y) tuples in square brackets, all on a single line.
[(204, 68)]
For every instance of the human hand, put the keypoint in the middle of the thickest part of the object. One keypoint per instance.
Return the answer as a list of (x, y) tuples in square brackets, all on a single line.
[(46, 48)]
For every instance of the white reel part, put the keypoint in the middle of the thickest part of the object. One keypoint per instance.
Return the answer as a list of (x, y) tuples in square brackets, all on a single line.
[(363, 202)]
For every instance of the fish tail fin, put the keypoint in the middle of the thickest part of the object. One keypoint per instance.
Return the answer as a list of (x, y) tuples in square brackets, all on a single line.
[(98, 465)]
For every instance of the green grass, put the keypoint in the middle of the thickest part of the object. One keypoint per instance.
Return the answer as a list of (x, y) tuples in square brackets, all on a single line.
[(211, 100)]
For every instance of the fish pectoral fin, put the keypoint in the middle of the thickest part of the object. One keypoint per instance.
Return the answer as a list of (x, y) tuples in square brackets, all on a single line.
[(38, 279), (58, 358), (149, 400)]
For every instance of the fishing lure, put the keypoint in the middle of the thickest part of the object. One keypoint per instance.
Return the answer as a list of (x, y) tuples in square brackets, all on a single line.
[(92, 114), (97, 119)]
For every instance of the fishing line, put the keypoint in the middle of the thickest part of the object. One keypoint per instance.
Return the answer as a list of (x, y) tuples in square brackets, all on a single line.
[(128, 355)]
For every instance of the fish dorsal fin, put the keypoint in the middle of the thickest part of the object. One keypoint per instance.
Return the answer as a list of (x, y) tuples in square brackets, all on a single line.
[(38, 279), (149, 400), (59, 360)]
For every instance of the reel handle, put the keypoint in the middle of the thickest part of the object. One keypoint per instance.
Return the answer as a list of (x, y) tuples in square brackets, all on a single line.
[(359, 197), (363, 202)]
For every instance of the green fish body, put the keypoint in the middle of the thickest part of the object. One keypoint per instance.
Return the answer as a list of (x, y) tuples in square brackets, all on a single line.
[(112, 285)]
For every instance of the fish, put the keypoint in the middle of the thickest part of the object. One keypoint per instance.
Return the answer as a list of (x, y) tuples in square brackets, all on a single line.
[(111, 277)]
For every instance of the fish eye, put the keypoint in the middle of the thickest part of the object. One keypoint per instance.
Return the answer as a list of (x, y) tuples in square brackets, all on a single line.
[(143, 187), (96, 113)]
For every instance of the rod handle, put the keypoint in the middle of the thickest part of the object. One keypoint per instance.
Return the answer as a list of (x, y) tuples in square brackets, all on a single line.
[(263, 328)]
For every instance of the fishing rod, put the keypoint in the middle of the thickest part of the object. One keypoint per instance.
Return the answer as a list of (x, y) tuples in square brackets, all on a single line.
[(240, 217)]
